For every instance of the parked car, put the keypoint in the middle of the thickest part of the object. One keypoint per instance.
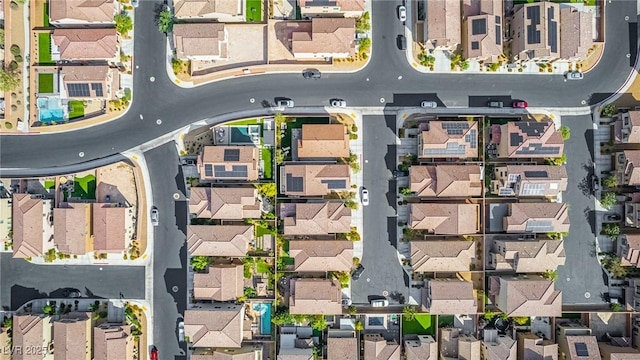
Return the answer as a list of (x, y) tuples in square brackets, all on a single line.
[(402, 13), (612, 217), (181, 331), (285, 103), (364, 197), (429, 104), (154, 353), (380, 303), (339, 103), (519, 104), (311, 74), (71, 293), (135, 3), (355, 275), (155, 216), (346, 302), (400, 173), (595, 183), (574, 75), (402, 42), (495, 104)]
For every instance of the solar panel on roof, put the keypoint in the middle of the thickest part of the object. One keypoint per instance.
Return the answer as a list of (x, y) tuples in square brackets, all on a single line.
[(208, 170), (581, 349), (472, 138), (475, 45), (335, 184), (552, 29), (505, 192), (536, 174), (533, 35), (539, 226), (529, 189), (478, 26), (78, 90), (97, 88), (237, 171), (231, 154), (294, 184), (531, 128), (539, 149), (498, 35), (451, 149)]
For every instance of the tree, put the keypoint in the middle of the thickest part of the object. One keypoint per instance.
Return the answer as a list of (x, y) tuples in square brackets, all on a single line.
[(15, 50), (364, 46), (405, 191), (610, 181), (565, 132), (489, 315), (609, 110), (250, 292), (165, 21), (409, 313), (318, 322), (200, 263), (426, 60), (608, 200), (464, 65), (550, 275), (359, 326), (352, 310), (124, 24), (559, 161), (614, 266), (48, 310), (267, 190), (362, 23), (611, 230), (521, 320)]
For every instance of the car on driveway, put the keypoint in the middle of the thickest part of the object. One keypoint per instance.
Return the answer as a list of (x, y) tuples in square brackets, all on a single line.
[(612, 218), (155, 216), (364, 197), (519, 104), (311, 74), (402, 13), (429, 104), (400, 173), (380, 303), (495, 104), (574, 75), (355, 275), (71, 293), (135, 3), (284, 103), (346, 302), (595, 183), (339, 103), (181, 331)]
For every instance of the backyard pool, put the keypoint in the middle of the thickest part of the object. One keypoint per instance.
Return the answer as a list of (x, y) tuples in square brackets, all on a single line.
[(245, 134), (50, 110), (265, 317)]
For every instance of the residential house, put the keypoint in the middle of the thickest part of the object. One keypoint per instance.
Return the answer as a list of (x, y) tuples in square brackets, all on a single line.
[(215, 326), (535, 32), (219, 240), (72, 228), (218, 10), (245, 352), (579, 347), (331, 8), (219, 163), (321, 255), (329, 38), (89, 82), (342, 348), (442, 255), (618, 348), (498, 346), (228, 203), (449, 296), (529, 180), (72, 335), (219, 283), (85, 44), (420, 347), (112, 227), (632, 300), (533, 347), (527, 139), (520, 296), (296, 343), (32, 332), (113, 342), (323, 141), (315, 296), (446, 180), (31, 225), (315, 218), (442, 25), (629, 249), (576, 33), (482, 30), (201, 41), (445, 219), (457, 345), (526, 256), (538, 217), (376, 347), (626, 127), (75, 13), (627, 166), (314, 180), (449, 139), (632, 210)]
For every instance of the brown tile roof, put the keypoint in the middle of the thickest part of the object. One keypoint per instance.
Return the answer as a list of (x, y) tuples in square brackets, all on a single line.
[(632, 166), (442, 256), (487, 44), (112, 342), (70, 333), (214, 328), (629, 249), (321, 255), (203, 8), (536, 348), (109, 227), (220, 283), (443, 22), (200, 40), (27, 222), (576, 33), (328, 35), (453, 344), (533, 296), (521, 256), (96, 11), (83, 74), (220, 240), (498, 346), (342, 348), (525, 139), (377, 348), (86, 44), (420, 347), (438, 141), (323, 141), (445, 219), (521, 44), (224, 203), (213, 156), (315, 296), (29, 333), (344, 5), (527, 180), (246, 352), (315, 218), (629, 133), (450, 296), (446, 180), (315, 179), (538, 217), (591, 343), (72, 228)]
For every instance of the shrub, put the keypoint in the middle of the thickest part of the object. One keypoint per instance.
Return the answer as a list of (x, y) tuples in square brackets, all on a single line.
[(609, 110), (15, 50), (611, 230), (165, 21), (124, 24), (608, 200), (8, 125), (550, 274), (610, 181), (409, 312), (565, 132), (363, 24), (200, 263), (13, 65), (13, 5)]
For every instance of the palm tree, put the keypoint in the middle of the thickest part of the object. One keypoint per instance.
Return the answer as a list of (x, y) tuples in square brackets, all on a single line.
[(409, 313)]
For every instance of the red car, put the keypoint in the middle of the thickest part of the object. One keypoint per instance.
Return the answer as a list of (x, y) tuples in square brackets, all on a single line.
[(154, 354), (520, 104)]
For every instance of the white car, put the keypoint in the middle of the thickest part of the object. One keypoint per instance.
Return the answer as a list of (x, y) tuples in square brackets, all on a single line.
[(181, 331), (285, 103), (155, 216), (429, 104), (574, 75), (339, 103), (380, 303), (364, 197), (134, 3), (402, 13)]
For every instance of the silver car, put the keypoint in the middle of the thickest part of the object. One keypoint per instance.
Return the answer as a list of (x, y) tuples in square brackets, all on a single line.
[(402, 13), (338, 103), (285, 103), (364, 197), (429, 104), (574, 75), (155, 216)]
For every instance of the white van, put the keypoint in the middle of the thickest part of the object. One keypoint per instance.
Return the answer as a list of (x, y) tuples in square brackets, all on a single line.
[(380, 303)]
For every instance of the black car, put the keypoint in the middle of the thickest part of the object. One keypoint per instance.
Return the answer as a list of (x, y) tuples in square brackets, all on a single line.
[(311, 74), (612, 218), (355, 275), (400, 173)]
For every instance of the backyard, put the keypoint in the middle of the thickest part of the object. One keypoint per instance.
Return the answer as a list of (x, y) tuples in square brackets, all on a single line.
[(421, 325), (46, 14), (44, 49), (267, 157), (49, 184), (76, 109), (254, 10), (85, 187), (45, 83), (297, 124)]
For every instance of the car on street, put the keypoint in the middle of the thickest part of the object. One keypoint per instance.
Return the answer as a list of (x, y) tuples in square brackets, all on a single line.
[(495, 104), (364, 197), (401, 42), (400, 173), (181, 331), (380, 303), (339, 103), (612, 217), (135, 3), (519, 104), (355, 275), (402, 13), (429, 104), (311, 74), (71, 293), (155, 216), (574, 75), (154, 353), (595, 183), (285, 103)]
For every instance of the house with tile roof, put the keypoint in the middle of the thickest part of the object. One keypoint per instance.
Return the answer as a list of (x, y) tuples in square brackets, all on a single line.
[(331, 8), (342, 348), (448, 139), (201, 41), (323, 141), (457, 345), (332, 38), (219, 240), (321, 255), (496, 346), (314, 179), (296, 343), (449, 296), (529, 181), (442, 255), (85, 44), (236, 163), (31, 226), (420, 347), (618, 348), (221, 282), (526, 256), (527, 139), (89, 82), (442, 28), (315, 296), (112, 227), (315, 218), (627, 167), (225, 203), (72, 228), (446, 180), (579, 347), (72, 334), (245, 352), (215, 326), (31, 332), (482, 26), (525, 296), (626, 127), (576, 33), (74, 13), (535, 30), (533, 347), (376, 347), (113, 342), (445, 219), (538, 217), (218, 10), (629, 249)]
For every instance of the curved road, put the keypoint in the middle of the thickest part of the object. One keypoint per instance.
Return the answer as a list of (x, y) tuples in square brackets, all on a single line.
[(177, 107)]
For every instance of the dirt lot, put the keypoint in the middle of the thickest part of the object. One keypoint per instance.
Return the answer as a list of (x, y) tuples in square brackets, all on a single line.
[(280, 39), (117, 181)]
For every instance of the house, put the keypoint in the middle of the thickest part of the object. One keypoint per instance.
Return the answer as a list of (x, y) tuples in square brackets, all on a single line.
[(629, 249), (446, 180), (113, 342), (200, 41), (239, 163), (627, 166), (72, 335), (72, 228), (420, 347), (315, 218), (215, 326), (89, 82), (579, 348), (482, 30), (296, 343), (445, 219), (449, 139), (31, 225), (219, 240), (443, 25), (218, 10), (31, 332), (496, 346), (330, 38), (342, 348), (449, 296), (245, 352), (533, 347), (632, 210), (314, 180), (228, 203), (376, 347), (331, 8), (529, 180), (618, 348), (315, 296), (526, 256), (321, 255), (525, 296), (85, 44), (323, 141), (535, 32), (63, 13), (110, 224), (576, 33), (538, 217), (442, 256), (457, 345), (219, 283), (527, 139), (626, 127)]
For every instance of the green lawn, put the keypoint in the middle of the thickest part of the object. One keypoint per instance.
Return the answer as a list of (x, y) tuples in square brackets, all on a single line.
[(76, 109), (46, 14), (45, 83), (245, 122), (254, 10), (261, 231), (44, 49), (85, 187), (49, 184), (421, 325), (287, 260), (267, 157), (445, 321)]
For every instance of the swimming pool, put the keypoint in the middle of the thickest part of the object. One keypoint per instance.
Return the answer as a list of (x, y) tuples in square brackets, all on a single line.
[(265, 317), (50, 110), (244, 134)]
